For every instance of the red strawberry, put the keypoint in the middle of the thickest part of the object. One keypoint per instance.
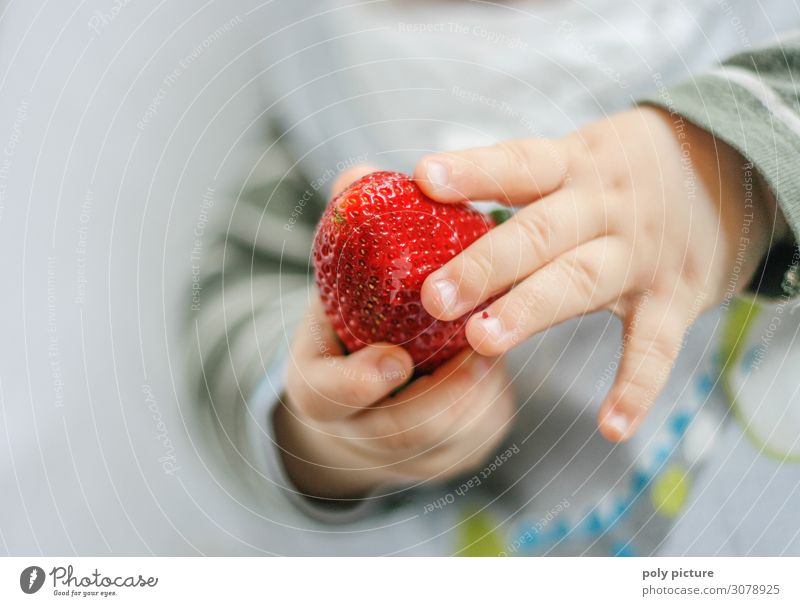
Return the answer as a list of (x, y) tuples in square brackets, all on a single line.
[(375, 244)]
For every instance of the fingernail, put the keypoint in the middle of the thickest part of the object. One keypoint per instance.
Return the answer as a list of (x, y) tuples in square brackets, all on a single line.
[(392, 368), (617, 422), (437, 174), (447, 293), (491, 326)]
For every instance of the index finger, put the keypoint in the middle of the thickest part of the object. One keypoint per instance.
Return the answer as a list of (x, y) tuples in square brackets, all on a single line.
[(514, 172), (510, 252)]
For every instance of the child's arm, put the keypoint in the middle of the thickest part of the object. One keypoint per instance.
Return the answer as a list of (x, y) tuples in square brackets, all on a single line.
[(251, 289), (653, 216)]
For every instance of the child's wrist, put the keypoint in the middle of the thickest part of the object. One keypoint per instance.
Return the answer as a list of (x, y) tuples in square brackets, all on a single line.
[(748, 213)]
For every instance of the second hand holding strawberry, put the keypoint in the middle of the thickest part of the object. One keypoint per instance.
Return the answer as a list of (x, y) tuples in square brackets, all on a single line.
[(344, 429)]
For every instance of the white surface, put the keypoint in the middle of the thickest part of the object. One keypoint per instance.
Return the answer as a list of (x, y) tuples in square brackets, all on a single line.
[(79, 463)]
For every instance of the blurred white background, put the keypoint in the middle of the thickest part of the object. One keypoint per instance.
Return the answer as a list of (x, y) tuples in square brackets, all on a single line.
[(115, 118)]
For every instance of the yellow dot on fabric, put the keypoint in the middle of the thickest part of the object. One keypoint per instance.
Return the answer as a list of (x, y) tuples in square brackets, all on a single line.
[(669, 491), (479, 536)]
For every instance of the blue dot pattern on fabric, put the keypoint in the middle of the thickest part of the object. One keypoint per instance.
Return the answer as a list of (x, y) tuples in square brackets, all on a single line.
[(621, 549), (532, 539), (593, 522), (705, 384), (680, 422), (639, 481)]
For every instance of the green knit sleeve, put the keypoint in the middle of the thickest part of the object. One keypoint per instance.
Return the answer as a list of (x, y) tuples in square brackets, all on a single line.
[(751, 103)]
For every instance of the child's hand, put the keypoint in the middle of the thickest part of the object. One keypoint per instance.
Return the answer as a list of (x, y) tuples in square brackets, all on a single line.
[(343, 434), (649, 218)]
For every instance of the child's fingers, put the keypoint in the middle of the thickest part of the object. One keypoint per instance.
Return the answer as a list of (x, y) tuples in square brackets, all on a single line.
[(433, 408), (578, 282), (325, 385), (515, 172), (329, 388), (350, 175), (474, 445), (653, 337), (534, 236)]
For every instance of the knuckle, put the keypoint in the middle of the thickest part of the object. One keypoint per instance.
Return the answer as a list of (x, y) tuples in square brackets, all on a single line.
[(516, 155), (666, 349), (647, 356), (476, 270), (666, 342), (525, 157), (520, 305), (618, 181), (517, 163), (582, 273), (530, 304), (535, 230)]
